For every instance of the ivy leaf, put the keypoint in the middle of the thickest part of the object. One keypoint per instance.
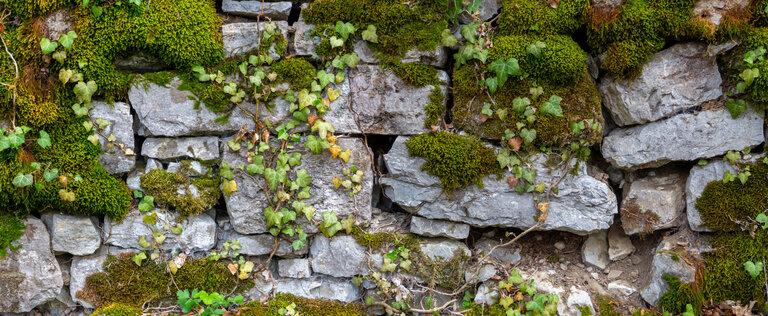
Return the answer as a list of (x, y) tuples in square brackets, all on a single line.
[(552, 106), (492, 84), (48, 46), (520, 104), (272, 177), (736, 107), (469, 32), (65, 75), (303, 179), (535, 48), (448, 39), (229, 187), (505, 68), (330, 225), (68, 39), (753, 268), (60, 56), (336, 42), (324, 78), (487, 111), (370, 34), (528, 135), (84, 91), (50, 174), (316, 145), (44, 140), (23, 180), (139, 258), (345, 29), (749, 75), (762, 219), (322, 128)]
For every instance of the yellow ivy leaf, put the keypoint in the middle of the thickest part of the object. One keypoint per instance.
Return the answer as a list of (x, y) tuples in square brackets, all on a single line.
[(335, 151), (333, 94), (344, 155), (229, 187), (336, 181)]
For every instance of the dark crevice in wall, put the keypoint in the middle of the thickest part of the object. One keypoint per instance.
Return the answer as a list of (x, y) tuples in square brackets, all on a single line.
[(295, 12), (449, 94)]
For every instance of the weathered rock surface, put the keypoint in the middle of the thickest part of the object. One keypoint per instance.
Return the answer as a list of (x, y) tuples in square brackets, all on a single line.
[(244, 37), (245, 207), (437, 57), (595, 250), (606, 5), (76, 235), (488, 9), (202, 148), (29, 276), (340, 256), (654, 202), (119, 156), (698, 179), (667, 260), (443, 249), (198, 232), (583, 205), (438, 228), (82, 267), (674, 80), (577, 300), (684, 137), (304, 41), (57, 24), (320, 288), (259, 245), (168, 111), (294, 268), (140, 63), (254, 9), (713, 10), (381, 103), (508, 254), (619, 244)]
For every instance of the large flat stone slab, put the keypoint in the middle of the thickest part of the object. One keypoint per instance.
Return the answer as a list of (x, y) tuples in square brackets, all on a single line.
[(256, 8), (244, 37), (684, 137), (582, 206)]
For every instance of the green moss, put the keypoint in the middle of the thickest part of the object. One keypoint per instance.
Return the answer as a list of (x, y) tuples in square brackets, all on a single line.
[(458, 161), (11, 229), (482, 310), (435, 109), (606, 306), (639, 29), (380, 240), (297, 72), (562, 61), (579, 102), (724, 274), (538, 16), (180, 33), (164, 186), (441, 273), (117, 309), (415, 74), (678, 295), (723, 205), (36, 114), (25, 9), (161, 78), (304, 306), (122, 281), (758, 91)]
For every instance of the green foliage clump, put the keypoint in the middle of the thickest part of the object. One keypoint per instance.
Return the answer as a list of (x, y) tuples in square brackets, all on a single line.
[(117, 309), (723, 205), (297, 72), (400, 26), (639, 29), (380, 240), (26, 9), (304, 306), (165, 186), (538, 16), (415, 74), (457, 160), (36, 114), (725, 277), (442, 273), (561, 62), (606, 306), (679, 294), (757, 38), (181, 33), (435, 109), (11, 229), (122, 281)]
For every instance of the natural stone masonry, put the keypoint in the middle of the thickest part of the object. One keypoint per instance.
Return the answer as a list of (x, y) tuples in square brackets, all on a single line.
[(198, 232), (244, 37), (698, 179), (168, 111), (76, 235), (684, 137), (667, 260), (294, 268), (203, 148), (676, 79), (259, 245), (438, 228), (381, 103), (652, 203), (443, 249), (340, 256), (594, 251), (29, 276), (245, 207), (82, 267), (320, 288), (119, 156), (713, 10), (437, 57), (583, 204), (256, 9)]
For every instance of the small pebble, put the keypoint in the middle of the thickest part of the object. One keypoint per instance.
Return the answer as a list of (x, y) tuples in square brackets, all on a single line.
[(559, 245)]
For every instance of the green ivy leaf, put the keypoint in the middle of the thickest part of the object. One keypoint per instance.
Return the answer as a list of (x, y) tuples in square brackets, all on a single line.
[(50, 174), (505, 68), (736, 107), (84, 91), (303, 179), (345, 29), (139, 258), (272, 178), (492, 84), (370, 34), (68, 39), (23, 180), (487, 111), (336, 42), (330, 225), (552, 106), (48, 46), (753, 268), (44, 140), (528, 135), (447, 38)]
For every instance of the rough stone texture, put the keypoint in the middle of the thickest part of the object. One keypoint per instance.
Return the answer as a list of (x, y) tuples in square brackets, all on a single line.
[(203, 148), (438, 228), (241, 38), (245, 207), (320, 288), (168, 111), (140, 63), (255, 9), (595, 250), (340, 256), (294, 268), (622, 288), (619, 244), (606, 5), (684, 137), (484, 273), (654, 202), (29, 276), (674, 80), (381, 103), (198, 232), (443, 249), (713, 10), (82, 267), (577, 300), (509, 254), (583, 205), (683, 244), (303, 41), (259, 245), (76, 235), (119, 156), (488, 9), (57, 24), (437, 57), (698, 179)]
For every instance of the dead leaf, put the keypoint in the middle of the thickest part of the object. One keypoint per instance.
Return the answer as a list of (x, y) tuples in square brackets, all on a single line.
[(543, 208), (512, 181), (515, 143), (232, 268)]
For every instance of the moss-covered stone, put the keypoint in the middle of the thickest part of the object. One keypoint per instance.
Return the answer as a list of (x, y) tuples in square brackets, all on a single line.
[(435, 109), (441, 273), (380, 240), (541, 17), (304, 306), (458, 161), (724, 274), (122, 281), (166, 186), (723, 206), (26, 9), (756, 38), (117, 309), (297, 72), (679, 294), (11, 229)]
